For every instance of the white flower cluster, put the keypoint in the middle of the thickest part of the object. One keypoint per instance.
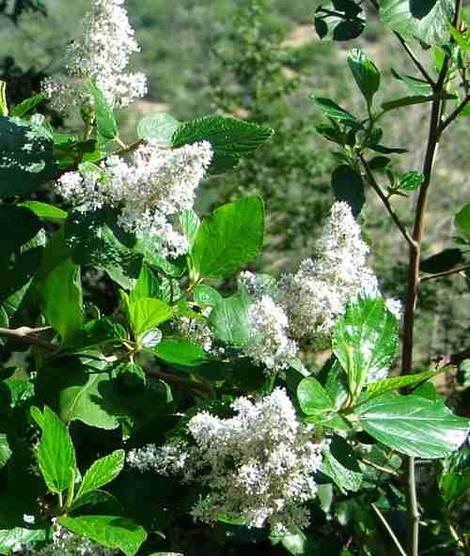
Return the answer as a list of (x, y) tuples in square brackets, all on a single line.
[(101, 52), (150, 189), (318, 292), (196, 331), (258, 465), (270, 344)]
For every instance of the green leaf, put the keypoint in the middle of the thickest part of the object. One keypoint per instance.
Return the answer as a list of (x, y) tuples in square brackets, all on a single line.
[(62, 295), (102, 472), (462, 221), (365, 340), (229, 239), (413, 425), (181, 352), (416, 99), (27, 105), (410, 181), (159, 128), (26, 158), (440, 262), (397, 382), (44, 211), (3, 99), (146, 285), (365, 73), (106, 124), (334, 111), (55, 454), (146, 313), (189, 222), (313, 398), (229, 320), (348, 186), (11, 539), (415, 86), (205, 295), (110, 531), (425, 20), (230, 138), (340, 464), (21, 224)]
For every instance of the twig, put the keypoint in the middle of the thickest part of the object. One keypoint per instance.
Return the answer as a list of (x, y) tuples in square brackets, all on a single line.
[(382, 468), (375, 186), (26, 334), (456, 270), (180, 382), (389, 530), (415, 60), (413, 510), (451, 117), (128, 148)]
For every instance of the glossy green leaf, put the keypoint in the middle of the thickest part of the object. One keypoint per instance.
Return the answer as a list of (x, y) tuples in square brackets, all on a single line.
[(62, 296), (348, 186), (440, 262), (365, 340), (189, 222), (110, 531), (410, 181), (44, 211), (365, 73), (425, 20), (229, 320), (340, 464), (26, 158), (5, 451), (395, 383), (147, 284), (206, 295), (413, 425), (106, 125), (22, 226), (102, 472), (230, 138), (24, 107), (332, 110), (159, 128), (55, 454), (229, 239), (415, 99), (147, 313), (415, 85), (11, 539), (313, 398), (181, 352)]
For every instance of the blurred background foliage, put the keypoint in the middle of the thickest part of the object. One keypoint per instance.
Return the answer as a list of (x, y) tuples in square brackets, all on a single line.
[(260, 60)]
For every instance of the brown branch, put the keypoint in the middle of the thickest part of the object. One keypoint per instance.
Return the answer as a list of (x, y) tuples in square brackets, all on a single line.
[(456, 270), (27, 335), (415, 60), (179, 382), (375, 186)]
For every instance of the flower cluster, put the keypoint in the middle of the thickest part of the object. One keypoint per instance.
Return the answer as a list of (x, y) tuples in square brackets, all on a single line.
[(259, 465), (318, 292), (149, 190), (101, 52)]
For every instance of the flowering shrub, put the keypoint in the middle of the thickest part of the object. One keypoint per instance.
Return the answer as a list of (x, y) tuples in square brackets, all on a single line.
[(187, 404)]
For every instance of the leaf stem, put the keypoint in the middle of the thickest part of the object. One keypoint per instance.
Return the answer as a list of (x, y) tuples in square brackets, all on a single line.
[(389, 529)]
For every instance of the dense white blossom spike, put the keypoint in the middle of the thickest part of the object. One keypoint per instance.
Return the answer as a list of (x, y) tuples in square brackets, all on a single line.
[(318, 292), (101, 52), (258, 465), (149, 190)]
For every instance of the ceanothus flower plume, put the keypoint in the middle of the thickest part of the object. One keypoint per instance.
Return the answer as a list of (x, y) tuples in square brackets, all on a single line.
[(100, 52), (259, 465), (149, 190)]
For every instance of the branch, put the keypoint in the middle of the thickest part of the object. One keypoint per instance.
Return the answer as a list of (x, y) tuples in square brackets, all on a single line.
[(413, 508), (389, 530), (454, 114), (415, 60), (456, 270), (178, 382), (26, 334), (375, 186)]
